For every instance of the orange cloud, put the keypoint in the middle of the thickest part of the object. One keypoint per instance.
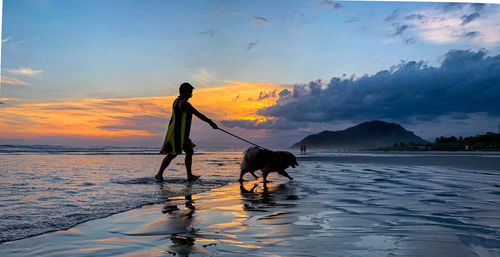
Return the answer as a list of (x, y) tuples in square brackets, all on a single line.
[(237, 100), (124, 117)]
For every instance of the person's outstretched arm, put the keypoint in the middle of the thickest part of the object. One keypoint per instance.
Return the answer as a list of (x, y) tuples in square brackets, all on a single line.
[(200, 115)]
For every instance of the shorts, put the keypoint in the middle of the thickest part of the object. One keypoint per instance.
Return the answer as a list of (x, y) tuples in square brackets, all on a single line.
[(188, 147)]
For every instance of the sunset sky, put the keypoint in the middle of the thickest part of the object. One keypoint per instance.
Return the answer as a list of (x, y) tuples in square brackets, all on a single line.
[(106, 72)]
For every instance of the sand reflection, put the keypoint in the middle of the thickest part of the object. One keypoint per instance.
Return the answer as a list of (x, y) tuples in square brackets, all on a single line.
[(260, 197), (239, 217), (181, 218)]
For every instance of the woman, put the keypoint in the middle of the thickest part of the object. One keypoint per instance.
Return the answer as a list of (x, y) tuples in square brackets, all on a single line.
[(177, 138)]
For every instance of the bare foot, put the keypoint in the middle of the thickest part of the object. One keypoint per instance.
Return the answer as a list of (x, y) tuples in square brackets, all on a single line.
[(193, 177), (159, 178)]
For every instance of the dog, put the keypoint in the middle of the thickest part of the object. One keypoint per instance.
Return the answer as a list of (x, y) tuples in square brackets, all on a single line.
[(268, 161)]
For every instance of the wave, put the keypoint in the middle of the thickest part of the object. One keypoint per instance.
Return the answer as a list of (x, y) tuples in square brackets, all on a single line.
[(67, 215), (95, 150)]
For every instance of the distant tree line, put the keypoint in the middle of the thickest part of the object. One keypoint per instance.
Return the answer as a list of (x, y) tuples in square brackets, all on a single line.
[(487, 142)]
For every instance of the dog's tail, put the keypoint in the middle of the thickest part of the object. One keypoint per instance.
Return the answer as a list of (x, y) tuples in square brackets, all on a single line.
[(248, 156)]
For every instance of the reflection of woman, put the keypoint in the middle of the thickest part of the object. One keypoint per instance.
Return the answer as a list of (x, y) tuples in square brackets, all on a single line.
[(180, 223)]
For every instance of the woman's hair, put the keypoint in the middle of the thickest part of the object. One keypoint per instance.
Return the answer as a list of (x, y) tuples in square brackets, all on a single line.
[(185, 89)]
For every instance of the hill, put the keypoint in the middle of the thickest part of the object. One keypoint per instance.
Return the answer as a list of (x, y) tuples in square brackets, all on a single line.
[(365, 136)]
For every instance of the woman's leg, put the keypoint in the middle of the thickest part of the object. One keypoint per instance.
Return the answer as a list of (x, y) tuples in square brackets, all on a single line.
[(188, 161), (164, 164)]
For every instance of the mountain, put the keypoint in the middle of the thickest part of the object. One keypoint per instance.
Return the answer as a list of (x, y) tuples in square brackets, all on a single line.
[(365, 136)]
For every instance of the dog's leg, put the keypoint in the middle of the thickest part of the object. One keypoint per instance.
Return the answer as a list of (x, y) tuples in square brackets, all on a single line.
[(253, 173), (241, 175), (265, 172), (283, 172), (243, 190)]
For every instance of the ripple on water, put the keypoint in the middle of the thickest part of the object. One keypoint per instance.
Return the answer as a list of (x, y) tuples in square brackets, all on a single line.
[(426, 212), (59, 191)]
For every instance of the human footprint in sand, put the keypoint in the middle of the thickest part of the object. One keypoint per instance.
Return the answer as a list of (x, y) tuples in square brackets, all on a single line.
[(177, 138)]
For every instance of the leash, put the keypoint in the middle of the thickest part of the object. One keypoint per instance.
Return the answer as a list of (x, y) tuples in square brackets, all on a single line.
[(241, 138)]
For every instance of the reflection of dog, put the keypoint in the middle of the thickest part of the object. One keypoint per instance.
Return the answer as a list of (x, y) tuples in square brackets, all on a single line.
[(256, 158)]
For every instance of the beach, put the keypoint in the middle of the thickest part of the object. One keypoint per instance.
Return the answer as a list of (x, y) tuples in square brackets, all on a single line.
[(339, 204)]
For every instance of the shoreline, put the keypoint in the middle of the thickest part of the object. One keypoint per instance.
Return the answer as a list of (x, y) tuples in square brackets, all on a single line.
[(181, 194), (43, 193), (142, 224)]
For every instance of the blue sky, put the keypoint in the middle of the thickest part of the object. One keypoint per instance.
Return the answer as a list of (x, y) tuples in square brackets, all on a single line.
[(57, 49), (126, 48)]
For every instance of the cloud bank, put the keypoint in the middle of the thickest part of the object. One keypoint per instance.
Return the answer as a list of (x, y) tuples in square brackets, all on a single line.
[(466, 83)]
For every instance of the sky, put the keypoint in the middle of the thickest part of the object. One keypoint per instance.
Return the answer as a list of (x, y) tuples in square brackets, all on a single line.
[(106, 72)]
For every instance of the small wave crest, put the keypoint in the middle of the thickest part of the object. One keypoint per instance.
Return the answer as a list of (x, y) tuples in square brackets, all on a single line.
[(48, 192), (152, 192)]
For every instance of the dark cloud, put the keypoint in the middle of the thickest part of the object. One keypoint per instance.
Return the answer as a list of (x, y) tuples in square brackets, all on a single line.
[(469, 18), (410, 41), (400, 28), (478, 6), (472, 34), (252, 45), (260, 21), (264, 95), (466, 82), (449, 7), (281, 124), (209, 33), (2, 103), (332, 4), (415, 16), (394, 15), (284, 92), (351, 20)]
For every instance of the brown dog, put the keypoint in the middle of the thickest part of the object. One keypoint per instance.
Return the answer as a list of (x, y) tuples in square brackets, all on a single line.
[(268, 161)]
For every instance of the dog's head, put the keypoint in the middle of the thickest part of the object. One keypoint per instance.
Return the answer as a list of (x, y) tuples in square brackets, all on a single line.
[(288, 159)]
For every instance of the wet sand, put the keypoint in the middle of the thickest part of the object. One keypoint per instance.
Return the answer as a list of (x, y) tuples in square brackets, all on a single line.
[(331, 209)]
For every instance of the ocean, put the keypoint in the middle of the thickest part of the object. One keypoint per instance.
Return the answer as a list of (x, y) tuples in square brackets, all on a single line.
[(48, 188), (339, 204)]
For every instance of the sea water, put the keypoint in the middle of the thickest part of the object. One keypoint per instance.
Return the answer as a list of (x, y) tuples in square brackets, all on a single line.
[(349, 204), (47, 188)]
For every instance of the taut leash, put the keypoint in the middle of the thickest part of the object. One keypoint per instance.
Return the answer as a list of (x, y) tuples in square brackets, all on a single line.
[(240, 138)]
